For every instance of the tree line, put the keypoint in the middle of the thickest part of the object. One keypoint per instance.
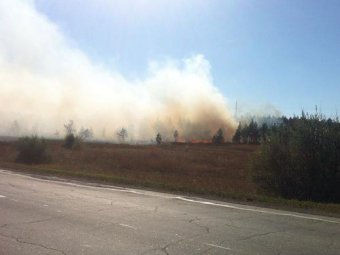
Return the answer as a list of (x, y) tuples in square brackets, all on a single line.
[(252, 133), (299, 157)]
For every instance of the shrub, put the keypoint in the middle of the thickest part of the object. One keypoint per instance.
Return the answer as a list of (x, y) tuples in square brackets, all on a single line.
[(72, 141), (69, 141), (32, 150), (301, 160)]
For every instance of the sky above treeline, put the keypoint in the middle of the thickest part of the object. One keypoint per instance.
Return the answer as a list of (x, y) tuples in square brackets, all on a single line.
[(277, 52)]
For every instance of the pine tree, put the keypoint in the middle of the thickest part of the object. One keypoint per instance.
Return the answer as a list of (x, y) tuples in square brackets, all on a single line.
[(218, 138), (159, 138), (237, 135)]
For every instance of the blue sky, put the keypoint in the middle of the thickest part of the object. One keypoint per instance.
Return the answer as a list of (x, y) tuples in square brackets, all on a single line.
[(284, 53)]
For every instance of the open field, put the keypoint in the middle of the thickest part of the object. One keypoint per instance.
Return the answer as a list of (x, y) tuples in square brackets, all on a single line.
[(204, 169), (200, 168)]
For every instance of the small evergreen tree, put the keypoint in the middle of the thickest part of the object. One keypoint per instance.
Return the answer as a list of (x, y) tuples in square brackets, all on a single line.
[(253, 132), (218, 138), (264, 132), (245, 134), (158, 138), (237, 135)]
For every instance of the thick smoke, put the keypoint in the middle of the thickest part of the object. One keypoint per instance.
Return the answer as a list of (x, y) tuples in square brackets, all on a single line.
[(46, 81)]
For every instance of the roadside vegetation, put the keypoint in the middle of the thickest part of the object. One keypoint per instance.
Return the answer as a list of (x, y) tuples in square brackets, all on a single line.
[(290, 163), (32, 150), (220, 171), (300, 159)]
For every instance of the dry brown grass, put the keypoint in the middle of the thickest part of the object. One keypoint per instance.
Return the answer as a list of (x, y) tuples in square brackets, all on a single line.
[(205, 169), (218, 171)]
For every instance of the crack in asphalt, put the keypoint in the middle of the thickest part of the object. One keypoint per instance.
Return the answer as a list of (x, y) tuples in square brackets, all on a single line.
[(28, 222), (192, 221), (196, 220), (259, 235), (20, 240), (164, 249), (232, 226)]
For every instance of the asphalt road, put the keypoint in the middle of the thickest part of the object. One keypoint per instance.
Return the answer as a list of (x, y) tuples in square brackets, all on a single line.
[(54, 217)]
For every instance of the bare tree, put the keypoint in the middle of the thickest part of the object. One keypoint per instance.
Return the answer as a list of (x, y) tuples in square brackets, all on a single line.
[(70, 138), (85, 133), (69, 128)]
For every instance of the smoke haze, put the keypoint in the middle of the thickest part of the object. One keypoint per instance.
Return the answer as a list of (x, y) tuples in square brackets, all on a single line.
[(45, 81)]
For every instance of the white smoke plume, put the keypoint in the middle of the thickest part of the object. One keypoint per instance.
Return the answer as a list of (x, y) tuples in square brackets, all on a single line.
[(46, 81)]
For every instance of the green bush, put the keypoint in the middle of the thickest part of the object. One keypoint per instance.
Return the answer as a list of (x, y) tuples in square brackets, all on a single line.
[(32, 150), (301, 160)]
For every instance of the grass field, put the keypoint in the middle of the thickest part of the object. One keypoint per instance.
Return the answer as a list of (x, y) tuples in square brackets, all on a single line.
[(220, 171)]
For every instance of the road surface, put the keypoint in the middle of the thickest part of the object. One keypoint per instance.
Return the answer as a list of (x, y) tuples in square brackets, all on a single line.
[(54, 217)]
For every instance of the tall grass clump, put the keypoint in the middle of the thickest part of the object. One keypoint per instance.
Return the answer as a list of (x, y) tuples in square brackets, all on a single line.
[(301, 159), (32, 150)]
